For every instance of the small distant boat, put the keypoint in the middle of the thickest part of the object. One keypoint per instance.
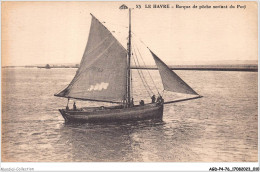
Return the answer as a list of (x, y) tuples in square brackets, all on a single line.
[(47, 66), (104, 75)]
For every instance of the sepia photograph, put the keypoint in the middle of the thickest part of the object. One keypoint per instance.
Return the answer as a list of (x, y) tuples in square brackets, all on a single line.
[(129, 81)]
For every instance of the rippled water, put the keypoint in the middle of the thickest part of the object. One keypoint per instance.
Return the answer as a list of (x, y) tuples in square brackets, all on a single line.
[(220, 127)]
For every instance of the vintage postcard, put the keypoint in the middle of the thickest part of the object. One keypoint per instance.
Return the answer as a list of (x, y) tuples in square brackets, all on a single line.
[(173, 81)]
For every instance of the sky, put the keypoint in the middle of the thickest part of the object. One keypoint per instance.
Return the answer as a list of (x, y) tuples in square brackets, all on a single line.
[(57, 32)]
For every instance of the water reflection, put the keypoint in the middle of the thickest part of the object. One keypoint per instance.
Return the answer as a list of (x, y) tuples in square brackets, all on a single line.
[(132, 141), (104, 142)]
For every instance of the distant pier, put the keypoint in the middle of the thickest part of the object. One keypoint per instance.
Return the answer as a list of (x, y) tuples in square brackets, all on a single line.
[(248, 68), (237, 67)]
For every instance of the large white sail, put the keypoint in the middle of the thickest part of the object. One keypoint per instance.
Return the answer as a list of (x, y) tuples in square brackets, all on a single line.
[(102, 72)]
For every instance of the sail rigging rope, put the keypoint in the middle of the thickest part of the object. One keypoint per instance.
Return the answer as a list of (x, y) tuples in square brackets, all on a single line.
[(142, 80), (141, 72), (135, 47), (142, 75), (140, 40)]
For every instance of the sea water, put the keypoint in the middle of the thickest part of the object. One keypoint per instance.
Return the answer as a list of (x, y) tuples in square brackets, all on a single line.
[(220, 127)]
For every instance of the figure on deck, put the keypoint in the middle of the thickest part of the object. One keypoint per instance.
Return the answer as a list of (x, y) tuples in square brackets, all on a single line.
[(132, 103), (74, 106), (142, 103), (124, 102), (153, 99), (160, 100)]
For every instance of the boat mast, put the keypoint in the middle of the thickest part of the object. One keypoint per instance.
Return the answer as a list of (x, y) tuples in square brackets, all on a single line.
[(129, 63)]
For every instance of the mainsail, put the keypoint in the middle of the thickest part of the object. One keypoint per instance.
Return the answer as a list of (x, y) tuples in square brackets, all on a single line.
[(102, 72), (171, 81)]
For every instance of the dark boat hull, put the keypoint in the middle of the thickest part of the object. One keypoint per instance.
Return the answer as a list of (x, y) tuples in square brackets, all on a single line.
[(148, 111)]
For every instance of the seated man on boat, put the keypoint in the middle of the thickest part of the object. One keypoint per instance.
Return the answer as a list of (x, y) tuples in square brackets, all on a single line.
[(153, 99), (142, 103), (74, 106)]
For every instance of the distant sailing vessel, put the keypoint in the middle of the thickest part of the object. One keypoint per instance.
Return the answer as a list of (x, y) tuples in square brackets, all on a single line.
[(47, 66), (104, 75)]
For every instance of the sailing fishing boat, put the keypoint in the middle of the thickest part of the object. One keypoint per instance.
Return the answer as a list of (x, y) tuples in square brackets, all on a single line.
[(104, 75)]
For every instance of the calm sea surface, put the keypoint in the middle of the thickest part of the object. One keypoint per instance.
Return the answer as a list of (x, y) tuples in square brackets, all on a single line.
[(220, 127)]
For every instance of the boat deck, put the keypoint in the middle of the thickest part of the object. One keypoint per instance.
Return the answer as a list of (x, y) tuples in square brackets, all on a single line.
[(112, 108)]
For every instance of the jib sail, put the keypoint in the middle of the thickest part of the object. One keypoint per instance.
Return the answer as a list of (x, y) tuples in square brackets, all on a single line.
[(171, 81)]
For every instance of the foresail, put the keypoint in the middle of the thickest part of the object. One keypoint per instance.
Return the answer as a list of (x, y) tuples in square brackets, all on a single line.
[(171, 81), (102, 72)]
